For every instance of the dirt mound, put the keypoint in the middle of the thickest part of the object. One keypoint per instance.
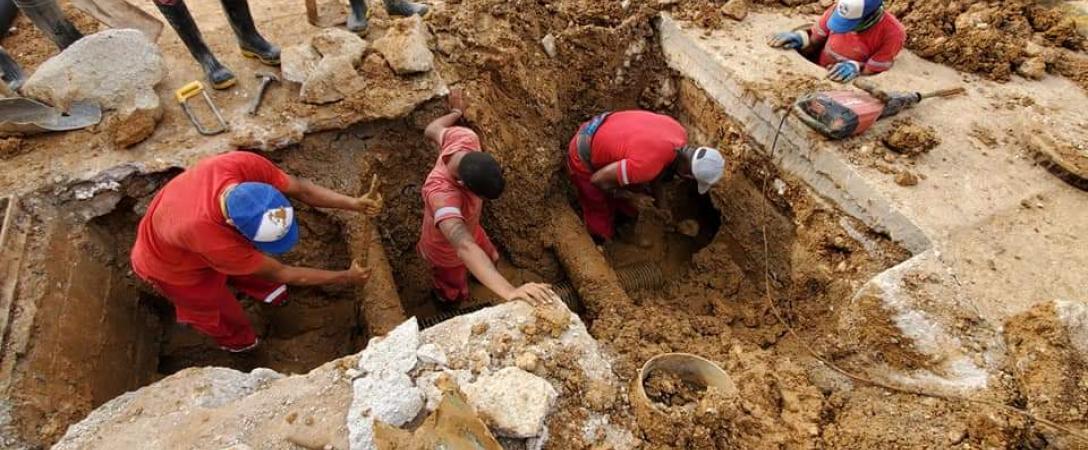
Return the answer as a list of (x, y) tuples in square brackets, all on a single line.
[(910, 138)]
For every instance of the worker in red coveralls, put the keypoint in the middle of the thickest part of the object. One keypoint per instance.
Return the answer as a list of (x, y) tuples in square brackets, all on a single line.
[(452, 240), (215, 225), (615, 156), (853, 38)]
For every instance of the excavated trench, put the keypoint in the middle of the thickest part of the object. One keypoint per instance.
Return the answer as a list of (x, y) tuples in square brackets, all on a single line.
[(709, 250)]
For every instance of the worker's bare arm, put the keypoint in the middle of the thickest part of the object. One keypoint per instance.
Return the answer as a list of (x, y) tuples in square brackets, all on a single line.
[(480, 265), (437, 127), (607, 178), (271, 269), (322, 197)]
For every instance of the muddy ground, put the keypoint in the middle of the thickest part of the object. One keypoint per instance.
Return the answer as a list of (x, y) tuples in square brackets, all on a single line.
[(525, 105)]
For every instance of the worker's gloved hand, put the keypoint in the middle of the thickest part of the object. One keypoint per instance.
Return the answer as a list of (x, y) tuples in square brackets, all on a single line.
[(792, 40), (844, 72), (371, 203)]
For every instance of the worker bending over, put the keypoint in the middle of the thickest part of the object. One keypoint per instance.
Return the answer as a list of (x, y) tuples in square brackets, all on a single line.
[(615, 155), (216, 224), (854, 37), (452, 240)]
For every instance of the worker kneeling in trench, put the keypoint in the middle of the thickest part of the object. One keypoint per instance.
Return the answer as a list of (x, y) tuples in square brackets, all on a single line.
[(452, 240), (615, 158), (216, 223)]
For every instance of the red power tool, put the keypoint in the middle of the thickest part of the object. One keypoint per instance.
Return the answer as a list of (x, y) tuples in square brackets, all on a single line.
[(841, 114)]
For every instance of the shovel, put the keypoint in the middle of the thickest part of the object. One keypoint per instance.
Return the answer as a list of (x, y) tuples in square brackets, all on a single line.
[(121, 14), (24, 116)]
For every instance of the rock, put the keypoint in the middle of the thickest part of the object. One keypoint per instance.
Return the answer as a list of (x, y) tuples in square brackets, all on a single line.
[(689, 228), (515, 402), (549, 45), (906, 178), (325, 66), (396, 352), (527, 361), (735, 9), (404, 46), (432, 354), (387, 396), (88, 71), (1033, 68), (360, 430)]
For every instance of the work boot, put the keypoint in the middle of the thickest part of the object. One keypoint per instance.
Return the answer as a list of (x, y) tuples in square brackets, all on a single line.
[(405, 8), (252, 43), (10, 71), (178, 15), (47, 17), (358, 18)]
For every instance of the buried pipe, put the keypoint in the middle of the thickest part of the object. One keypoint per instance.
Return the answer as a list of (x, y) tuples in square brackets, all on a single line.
[(593, 278), (378, 299)]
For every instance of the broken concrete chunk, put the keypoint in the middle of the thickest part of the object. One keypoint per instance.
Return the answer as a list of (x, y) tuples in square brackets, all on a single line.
[(387, 396), (549, 45), (325, 66), (515, 402), (404, 47), (360, 430), (395, 352), (1033, 68), (432, 354), (88, 71), (735, 9)]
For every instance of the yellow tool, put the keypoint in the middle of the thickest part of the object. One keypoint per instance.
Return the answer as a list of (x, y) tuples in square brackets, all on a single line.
[(192, 90)]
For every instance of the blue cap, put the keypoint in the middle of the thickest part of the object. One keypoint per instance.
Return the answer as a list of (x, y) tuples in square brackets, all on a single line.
[(264, 216), (848, 14)]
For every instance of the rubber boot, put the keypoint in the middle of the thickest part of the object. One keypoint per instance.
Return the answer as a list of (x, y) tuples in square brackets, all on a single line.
[(405, 8), (358, 19), (10, 71), (47, 17), (252, 43), (178, 15)]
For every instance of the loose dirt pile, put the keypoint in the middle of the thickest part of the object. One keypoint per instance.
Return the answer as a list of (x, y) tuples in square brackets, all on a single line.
[(911, 139)]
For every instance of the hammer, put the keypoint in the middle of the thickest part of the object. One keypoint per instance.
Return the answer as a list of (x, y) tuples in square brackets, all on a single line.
[(266, 79)]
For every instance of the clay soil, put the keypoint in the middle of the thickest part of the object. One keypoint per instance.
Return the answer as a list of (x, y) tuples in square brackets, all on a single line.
[(760, 230)]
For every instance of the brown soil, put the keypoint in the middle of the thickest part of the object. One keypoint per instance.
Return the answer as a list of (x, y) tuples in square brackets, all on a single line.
[(909, 138), (668, 389)]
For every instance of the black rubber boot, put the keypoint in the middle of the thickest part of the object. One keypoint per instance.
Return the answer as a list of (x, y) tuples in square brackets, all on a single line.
[(10, 71), (252, 43), (178, 15), (405, 8), (47, 17), (358, 19)]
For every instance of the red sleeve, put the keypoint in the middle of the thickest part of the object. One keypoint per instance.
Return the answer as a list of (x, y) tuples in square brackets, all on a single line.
[(256, 168), (225, 250), (644, 167), (819, 32), (890, 45), (445, 204)]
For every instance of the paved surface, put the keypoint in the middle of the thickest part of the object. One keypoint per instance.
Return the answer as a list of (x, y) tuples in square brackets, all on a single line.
[(996, 232)]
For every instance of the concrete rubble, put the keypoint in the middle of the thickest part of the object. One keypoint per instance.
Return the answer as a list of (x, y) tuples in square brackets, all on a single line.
[(88, 71), (395, 380), (404, 47), (325, 66)]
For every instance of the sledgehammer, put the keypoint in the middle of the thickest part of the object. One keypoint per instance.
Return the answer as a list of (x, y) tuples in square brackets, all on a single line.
[(266, 79)]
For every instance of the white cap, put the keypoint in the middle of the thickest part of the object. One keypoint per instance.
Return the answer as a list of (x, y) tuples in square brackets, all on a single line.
[(707, 165)]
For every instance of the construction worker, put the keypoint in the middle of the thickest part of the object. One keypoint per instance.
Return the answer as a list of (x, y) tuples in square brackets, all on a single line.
[(358, 18), (853, 38), (216, 224), (615, 154), (452, 240), (253, 45)]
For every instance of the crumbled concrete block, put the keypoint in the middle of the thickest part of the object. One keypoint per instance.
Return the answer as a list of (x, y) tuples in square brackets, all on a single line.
[(432, 354), (325, 66), (386, 396), (404, 47), (395, 352), (514, 401), (88, 71), (360, 430)]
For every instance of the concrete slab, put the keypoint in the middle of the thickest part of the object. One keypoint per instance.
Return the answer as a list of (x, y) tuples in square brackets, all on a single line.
[(995, 233)]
